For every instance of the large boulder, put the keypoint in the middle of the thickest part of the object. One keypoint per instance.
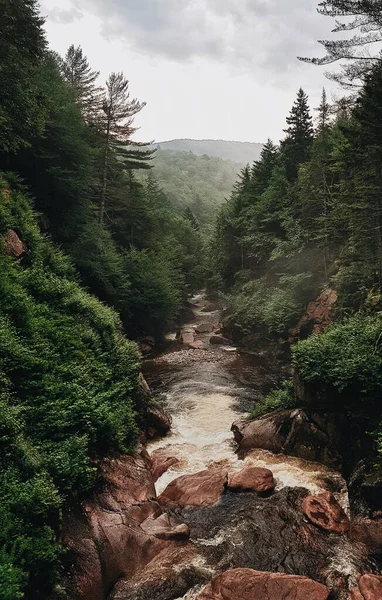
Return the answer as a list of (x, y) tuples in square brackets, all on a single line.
[(161, 462), (252, 479), (14, 246), (291, 432), (369, 588), (247, 584), (187, 336), (201, 489), (271, 534), (158, 421), (119, 531), (324, 511), (369, 533)]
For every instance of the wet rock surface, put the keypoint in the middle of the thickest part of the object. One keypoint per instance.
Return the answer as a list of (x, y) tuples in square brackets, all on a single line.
[(161, 462), (247, 584), (202, 489), (269, 534), (292, 432), (158, 421), (252, 479), (325, 512), (119, 531), (369, 588)]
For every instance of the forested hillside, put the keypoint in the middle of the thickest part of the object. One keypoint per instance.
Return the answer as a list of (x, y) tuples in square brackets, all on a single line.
[(197, 183), (303, 219), (80, 238), (240, 152)]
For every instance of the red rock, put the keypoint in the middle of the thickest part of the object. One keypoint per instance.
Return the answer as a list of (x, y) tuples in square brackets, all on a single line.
[(13, 245), (161, 462), (201, 489), (165, 527), (246, 584), (323, 510), (119, 530), (369, 588), (368, 532), (318, 315), (252, 479)]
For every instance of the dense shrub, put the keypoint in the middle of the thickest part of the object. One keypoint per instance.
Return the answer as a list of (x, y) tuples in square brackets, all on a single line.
[(68, 395)]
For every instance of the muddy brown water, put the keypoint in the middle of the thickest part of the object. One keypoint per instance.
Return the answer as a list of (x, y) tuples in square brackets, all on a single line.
[(206, 390)]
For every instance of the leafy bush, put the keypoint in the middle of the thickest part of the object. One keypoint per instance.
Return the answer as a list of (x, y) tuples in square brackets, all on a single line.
[(348, 358), (276, 400), (68, 395)]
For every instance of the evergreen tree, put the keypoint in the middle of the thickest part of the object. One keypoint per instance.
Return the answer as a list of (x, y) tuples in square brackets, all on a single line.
[(362, 16), (82, 80), (299, 135), (263, 168), (22, 45), (117, 122), (324, 114)]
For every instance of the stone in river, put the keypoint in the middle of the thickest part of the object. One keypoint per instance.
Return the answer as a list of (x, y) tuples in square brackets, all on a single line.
[(252, 479), (324, 511), (247, 584), (201, 489), (369, 588), (204, 328)]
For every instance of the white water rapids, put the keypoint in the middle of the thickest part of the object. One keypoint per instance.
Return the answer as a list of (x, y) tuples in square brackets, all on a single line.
[(204, 395)]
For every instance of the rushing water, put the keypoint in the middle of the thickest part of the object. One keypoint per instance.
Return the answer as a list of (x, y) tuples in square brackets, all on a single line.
[(206, 390)]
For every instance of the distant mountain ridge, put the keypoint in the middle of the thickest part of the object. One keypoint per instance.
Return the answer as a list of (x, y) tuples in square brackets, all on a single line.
[(239, 152)]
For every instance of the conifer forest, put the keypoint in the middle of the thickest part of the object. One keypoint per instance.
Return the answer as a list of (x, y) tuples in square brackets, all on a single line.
[(153, 298)]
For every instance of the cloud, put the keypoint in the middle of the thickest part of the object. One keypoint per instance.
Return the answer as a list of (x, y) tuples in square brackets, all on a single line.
[(244, 33), (64, 17)]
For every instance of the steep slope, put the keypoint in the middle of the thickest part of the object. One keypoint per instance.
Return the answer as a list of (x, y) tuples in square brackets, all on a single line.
[(240, 152)]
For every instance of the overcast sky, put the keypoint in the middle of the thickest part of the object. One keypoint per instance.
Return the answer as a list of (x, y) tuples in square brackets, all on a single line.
[(220, 69)]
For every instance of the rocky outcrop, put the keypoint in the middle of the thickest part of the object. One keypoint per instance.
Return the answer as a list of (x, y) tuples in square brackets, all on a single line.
[(369, 588), (14, 246), (252, 479), (270, 534), (118, 532), (291, 432), (365, 489), (161, 462), (369, 533), (247, 584), (318, 316), (324, 511), (158, 421), (202, 489)]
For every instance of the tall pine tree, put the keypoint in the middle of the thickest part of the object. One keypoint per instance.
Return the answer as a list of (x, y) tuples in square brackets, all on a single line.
[(82, 80), (299, 135)]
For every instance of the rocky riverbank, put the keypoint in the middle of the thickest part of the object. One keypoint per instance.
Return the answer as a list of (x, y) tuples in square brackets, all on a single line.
[(196, 515)]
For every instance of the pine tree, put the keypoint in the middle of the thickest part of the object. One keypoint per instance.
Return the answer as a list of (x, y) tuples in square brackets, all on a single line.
[(22, 46), (365, 18), (117, 124), (82, 80), (263, 168), (299, 135), (324, 114)]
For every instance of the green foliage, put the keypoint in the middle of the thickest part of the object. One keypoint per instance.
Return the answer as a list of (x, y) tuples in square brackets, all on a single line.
[(282, 398), (22, 43), (201, 183), (69, 381)]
